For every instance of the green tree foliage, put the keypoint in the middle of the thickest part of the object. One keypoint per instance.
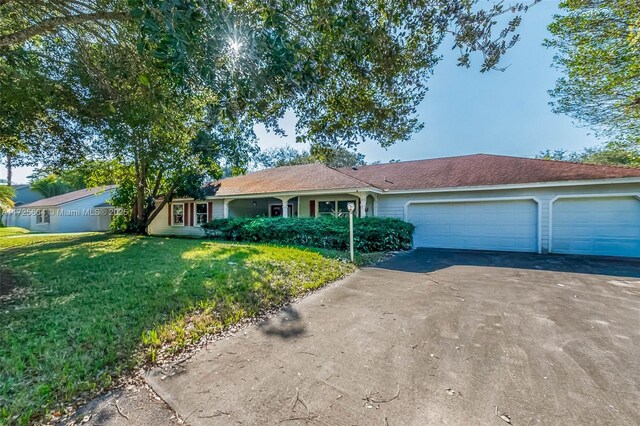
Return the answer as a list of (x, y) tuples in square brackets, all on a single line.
[(24, 20), (51, 185), (88, 174), (6, 199), (35, 111), (162, 136), (171, 89), (289, 156), (598, 45), (349, 70), (613, 154)]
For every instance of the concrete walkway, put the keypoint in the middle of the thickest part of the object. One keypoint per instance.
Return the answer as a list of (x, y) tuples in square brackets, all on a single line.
[(432, 337)]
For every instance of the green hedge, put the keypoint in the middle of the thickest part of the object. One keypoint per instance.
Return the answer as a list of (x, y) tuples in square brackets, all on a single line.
[(370, 234)]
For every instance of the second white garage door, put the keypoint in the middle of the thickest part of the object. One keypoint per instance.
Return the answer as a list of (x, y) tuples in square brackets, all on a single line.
[(476, 225), (605, 226)]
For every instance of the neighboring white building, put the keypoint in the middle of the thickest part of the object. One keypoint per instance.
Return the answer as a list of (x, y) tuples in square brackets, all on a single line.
[(477, 202), (78, 211)]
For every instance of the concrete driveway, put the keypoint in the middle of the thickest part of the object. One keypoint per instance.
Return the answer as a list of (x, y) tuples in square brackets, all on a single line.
[(433, 337)]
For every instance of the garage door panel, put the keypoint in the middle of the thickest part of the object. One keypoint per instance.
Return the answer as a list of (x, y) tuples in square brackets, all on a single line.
[(478, 225), (606, 226)]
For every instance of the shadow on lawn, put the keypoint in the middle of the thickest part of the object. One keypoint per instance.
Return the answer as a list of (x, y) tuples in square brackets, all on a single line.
[(93, 297)]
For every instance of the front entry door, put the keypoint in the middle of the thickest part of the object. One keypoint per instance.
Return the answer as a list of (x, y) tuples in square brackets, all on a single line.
[(276, 210)]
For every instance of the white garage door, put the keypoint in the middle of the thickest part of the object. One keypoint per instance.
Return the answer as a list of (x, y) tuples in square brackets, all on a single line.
[(596, 226), (478, 225)]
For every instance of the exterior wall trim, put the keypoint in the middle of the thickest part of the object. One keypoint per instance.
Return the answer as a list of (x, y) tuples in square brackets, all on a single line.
[(517, 186), (374, 190), (184, 215), (578, 196), (292, 194), (195, 209), (479, 200)]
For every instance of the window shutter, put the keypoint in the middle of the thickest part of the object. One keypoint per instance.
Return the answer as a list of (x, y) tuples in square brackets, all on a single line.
[(193, 213), (169, 214), (185, 218), (312, 208), (209, 211)]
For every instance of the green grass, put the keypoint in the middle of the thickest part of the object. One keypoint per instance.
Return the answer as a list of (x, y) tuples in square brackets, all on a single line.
[(12, 230), (77, 311)]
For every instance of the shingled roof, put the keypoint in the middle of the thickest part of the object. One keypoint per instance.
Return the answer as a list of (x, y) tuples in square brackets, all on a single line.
[(450, 172), (480, 170), (69, 197), (307, 177)]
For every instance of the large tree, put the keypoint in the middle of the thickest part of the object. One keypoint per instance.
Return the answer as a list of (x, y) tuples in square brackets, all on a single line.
[(35, 111), (164, 140), (598, 51), (172, 88)]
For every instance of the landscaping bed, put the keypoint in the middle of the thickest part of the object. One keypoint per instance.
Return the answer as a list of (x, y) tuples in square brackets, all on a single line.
[(89, 308), (371, 234)]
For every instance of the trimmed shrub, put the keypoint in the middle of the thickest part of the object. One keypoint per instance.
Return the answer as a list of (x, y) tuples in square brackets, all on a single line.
[(369, 234)]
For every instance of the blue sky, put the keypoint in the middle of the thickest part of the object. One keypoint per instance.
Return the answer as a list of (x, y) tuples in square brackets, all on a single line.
[(467, 112)]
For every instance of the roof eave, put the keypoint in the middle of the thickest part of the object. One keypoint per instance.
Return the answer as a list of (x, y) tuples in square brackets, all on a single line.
[(582, 182), (290, 193), (66, 202)]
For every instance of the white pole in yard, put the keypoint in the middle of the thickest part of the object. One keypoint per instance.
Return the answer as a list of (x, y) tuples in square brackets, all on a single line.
[(351, 207)]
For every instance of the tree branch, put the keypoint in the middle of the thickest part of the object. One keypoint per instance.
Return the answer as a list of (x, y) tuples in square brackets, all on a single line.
[(156, 187), (166, 199), (51, 24)]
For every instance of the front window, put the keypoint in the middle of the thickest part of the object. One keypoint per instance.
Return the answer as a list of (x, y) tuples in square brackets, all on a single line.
[(334, 208), (201, 214), (178, 214), (43, 216), (343, 209), (326, 208)]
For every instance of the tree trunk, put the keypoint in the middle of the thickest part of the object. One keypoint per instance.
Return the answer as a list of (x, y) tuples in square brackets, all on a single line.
[(143, 213), (152, 213), (9, 169)]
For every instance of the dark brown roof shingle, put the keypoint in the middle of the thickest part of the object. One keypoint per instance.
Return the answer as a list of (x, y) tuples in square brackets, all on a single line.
[(450, 172), (480, 170), (307, 177)]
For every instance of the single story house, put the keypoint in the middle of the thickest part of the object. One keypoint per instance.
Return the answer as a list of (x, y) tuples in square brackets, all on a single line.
[(479, 202), (78, 211)]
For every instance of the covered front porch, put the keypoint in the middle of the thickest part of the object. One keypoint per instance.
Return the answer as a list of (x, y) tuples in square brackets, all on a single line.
[(299, 205)]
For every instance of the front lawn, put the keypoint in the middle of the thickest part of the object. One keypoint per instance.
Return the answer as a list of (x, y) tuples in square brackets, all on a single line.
[(76, 311), (6, 231)]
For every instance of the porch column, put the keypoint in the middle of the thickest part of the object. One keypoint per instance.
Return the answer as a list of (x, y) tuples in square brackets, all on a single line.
[(375, 204), (363, 204), (285, 205), (225, 210)]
